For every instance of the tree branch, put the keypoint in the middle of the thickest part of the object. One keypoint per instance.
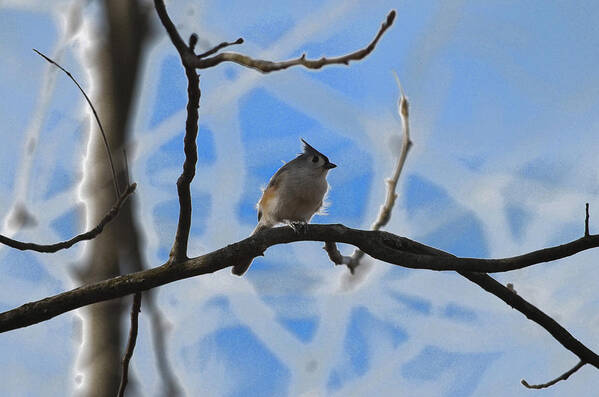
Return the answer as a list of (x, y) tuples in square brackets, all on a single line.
[(135, 309), (378, 244), (179, 250), (89, 102), (220, 47), (353, 261), (269, 66), (552, 382), (48, 248), (171, 30), (586, 220)]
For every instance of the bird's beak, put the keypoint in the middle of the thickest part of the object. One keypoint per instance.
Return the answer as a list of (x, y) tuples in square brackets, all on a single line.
[(328, 166)]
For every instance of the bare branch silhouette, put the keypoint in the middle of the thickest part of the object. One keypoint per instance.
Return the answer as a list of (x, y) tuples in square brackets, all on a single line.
[(377, 244), (586, 220), (135, 309), (49, 248), (552, 382), (179, 250)]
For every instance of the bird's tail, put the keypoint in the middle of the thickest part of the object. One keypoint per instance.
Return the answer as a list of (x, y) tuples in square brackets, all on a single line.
[(241, 268)]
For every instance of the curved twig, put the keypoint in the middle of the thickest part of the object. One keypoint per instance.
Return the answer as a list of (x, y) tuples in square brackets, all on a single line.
[(114, 179), (552, 382), (49, 248)]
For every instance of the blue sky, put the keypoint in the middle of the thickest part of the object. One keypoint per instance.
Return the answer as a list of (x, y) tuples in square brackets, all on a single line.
[(503, 112)]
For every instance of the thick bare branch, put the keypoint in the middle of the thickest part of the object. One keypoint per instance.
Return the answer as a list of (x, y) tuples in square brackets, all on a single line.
[(552, 382), (89, 102), (48, 248), (378, 244), (270, 66), (135, 308)]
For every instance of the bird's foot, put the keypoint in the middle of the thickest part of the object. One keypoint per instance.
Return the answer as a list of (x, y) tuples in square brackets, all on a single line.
[(299, 226)]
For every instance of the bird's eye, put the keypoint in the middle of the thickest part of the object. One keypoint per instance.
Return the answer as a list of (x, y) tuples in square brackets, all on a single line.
[(315, 159)]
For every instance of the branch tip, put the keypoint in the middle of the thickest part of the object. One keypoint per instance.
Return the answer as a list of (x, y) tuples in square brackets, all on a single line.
[(193, 40), (552, 382), (390, 17), (586, 221)]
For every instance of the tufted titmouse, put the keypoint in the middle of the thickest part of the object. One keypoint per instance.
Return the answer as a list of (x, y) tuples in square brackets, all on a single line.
[(294, 193)]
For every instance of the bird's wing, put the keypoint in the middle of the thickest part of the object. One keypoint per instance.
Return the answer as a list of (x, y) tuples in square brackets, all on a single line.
[(276, 178)]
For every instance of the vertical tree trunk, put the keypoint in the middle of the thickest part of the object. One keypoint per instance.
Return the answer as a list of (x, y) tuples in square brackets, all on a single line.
[(112, 60)]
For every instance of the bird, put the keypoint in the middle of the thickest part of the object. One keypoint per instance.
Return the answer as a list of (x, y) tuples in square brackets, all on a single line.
[(293, 195)]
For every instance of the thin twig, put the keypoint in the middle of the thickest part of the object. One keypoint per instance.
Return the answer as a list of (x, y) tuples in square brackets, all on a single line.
[(403, 109), (49, 248), (135, 309), (114, 179), (586, 221), (552, 382), (269, 66), (220, 47)]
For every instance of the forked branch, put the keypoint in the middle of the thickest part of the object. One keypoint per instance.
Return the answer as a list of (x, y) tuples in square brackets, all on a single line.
[(266, 66)]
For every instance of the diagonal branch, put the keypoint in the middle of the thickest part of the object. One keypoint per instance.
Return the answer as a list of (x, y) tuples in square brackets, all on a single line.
[(49, 248), (220, 47), (552, 382), (270, 66), (135, 308), (168, 24)]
